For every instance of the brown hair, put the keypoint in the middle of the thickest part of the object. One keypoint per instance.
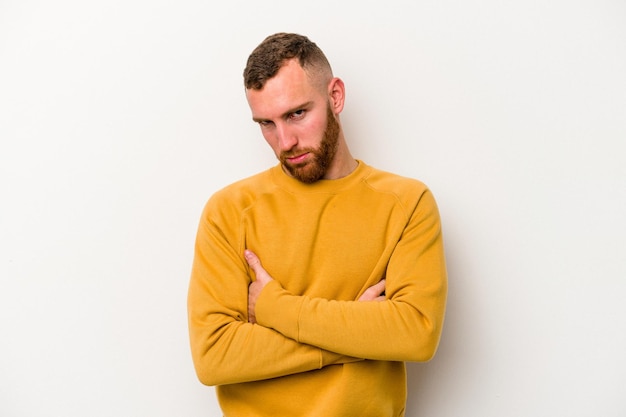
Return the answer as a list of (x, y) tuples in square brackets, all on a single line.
[(271, 54)]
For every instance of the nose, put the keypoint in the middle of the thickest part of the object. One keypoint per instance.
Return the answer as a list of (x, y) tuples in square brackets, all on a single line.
[(286, 137)]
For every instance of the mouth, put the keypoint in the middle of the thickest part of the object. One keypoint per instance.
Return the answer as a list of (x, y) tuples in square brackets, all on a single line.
[(298, 159)]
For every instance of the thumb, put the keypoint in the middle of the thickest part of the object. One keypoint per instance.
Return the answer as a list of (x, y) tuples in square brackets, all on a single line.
[(253, 262), (251, 258)]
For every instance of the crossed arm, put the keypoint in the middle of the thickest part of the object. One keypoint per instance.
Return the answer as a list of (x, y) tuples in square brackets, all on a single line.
[(273, 333), (226, 346), (374, 293)]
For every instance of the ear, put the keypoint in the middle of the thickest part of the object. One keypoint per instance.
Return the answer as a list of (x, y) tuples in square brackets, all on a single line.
[(336, 95)]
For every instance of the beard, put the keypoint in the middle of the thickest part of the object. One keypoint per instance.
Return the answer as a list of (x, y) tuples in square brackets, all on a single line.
[(313, 170)]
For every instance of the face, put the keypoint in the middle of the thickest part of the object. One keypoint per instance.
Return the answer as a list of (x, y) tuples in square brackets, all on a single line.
[(315, 166), (297, 121)]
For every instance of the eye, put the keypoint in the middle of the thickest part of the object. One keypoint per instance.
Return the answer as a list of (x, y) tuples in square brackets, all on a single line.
[(297, 115), (264, 123)]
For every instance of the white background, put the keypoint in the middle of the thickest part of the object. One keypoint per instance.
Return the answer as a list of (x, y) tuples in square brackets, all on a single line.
[(118, 119)]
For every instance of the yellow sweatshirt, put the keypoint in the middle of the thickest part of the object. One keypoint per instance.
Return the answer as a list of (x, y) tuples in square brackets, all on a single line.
[(315, 350)]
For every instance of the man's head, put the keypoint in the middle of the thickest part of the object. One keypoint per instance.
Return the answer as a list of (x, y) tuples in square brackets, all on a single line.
[(296, 101), (267, 58)]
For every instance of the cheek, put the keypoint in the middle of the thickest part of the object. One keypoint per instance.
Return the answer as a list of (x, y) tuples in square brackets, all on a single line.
[(271, 141), (312, 132)]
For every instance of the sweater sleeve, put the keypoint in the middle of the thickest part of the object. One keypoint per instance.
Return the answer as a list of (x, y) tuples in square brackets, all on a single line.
[(405, 327), (225, 347)]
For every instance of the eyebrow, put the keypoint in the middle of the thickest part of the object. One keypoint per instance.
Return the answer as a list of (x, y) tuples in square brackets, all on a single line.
[(285, 114)]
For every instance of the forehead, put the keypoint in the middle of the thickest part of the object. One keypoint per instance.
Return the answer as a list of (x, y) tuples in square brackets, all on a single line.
[(290, 88)]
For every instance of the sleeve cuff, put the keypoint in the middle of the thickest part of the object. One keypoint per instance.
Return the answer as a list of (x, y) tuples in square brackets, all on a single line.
[(277, 309)]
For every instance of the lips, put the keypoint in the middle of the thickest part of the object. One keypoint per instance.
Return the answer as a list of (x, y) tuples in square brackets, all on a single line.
[(298, 159)]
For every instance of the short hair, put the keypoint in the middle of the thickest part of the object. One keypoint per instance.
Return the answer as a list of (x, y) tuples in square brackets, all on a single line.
[(270, 55)]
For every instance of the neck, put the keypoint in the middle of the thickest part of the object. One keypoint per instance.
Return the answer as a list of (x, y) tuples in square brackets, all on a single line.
[(343, 163)]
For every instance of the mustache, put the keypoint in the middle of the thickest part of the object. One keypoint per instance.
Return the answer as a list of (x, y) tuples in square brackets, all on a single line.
[(295, 152)]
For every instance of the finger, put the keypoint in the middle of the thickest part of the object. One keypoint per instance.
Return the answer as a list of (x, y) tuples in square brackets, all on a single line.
[(374, 292), (255, 264), (252, 259), (379, 287)]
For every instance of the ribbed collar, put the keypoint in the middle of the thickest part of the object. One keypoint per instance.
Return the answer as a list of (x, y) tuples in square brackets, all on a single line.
[(284, 181)]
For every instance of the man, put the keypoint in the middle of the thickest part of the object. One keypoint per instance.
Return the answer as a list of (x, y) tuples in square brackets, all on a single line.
[(315, 280)]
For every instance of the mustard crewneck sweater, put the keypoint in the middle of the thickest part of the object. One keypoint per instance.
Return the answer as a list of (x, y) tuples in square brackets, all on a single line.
[(315, 350)]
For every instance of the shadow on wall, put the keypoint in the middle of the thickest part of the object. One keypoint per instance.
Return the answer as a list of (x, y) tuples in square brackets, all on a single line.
[(429, 390)]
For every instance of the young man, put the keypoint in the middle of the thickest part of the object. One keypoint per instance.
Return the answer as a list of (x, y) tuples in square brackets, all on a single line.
[(315, 280)]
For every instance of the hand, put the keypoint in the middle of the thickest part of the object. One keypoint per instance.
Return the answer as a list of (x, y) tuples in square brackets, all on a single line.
[(262, 278), (374, 293)]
